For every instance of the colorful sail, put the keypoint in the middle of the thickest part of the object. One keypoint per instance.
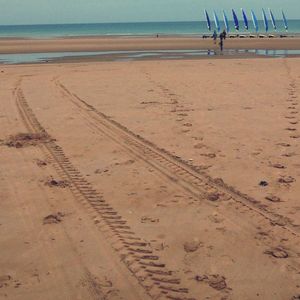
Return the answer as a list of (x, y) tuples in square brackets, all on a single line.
[(217, 22), (254, 19), (286, 26), (207, 20), (246, 23), (226, 21), (272, 19), (236, 21), (265, 20)]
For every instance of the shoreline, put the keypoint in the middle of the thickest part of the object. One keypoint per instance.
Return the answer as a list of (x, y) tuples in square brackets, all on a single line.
[(90, 44)]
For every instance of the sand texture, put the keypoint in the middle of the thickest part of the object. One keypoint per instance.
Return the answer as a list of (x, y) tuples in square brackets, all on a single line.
[(150, 180)]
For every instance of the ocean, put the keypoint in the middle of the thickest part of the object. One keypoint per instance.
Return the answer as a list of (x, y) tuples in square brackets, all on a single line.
[(127, 29)]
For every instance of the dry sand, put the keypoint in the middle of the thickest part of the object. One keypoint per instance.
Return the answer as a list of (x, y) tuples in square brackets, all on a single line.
[(150, 180), (141, 43)]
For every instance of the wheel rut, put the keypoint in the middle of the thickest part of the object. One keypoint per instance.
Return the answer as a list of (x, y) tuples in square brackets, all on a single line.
[(183, 173), (140, 259)]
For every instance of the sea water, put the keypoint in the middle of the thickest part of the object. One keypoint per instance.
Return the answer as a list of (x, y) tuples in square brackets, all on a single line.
[(136, 55), (128, 29)]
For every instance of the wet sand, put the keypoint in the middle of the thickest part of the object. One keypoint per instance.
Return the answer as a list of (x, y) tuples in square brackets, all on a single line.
[(150, 180), (77, 44)]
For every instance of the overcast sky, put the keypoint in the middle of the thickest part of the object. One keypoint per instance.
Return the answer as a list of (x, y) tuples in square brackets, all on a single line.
[(98, 11)]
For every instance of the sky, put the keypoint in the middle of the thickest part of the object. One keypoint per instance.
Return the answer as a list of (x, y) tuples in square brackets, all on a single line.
[(15, 12)]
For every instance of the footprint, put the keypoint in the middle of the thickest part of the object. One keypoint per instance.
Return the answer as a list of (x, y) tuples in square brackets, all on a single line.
[(277, 252), (286, 179), (261, 235), (296, 136), (217, 282), (4, 280), (290, 129), (209, 155), (278, 166), (199, 146), (288, 154), (54, 218), (284, 144), (149, 220), (272, 198), (41, 163)]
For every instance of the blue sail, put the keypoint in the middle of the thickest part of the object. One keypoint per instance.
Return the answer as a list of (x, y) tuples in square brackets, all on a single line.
[(245, 20), (286, 26), (207, 20), (226, 21), (217, 22), (265, 20), (254, 19), (272, 19), (236, 21)]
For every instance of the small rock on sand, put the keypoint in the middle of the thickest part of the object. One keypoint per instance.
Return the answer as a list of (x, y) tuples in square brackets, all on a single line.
[(213, 196), (191, 246)]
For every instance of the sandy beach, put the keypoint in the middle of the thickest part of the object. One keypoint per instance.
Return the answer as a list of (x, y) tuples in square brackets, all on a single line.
[(150, 179), (77, 44)]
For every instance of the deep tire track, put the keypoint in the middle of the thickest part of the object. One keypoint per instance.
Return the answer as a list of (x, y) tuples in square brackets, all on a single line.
[(196, 182), (136, 254)]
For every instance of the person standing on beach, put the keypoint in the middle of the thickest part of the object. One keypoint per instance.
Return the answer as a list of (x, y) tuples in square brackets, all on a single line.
[(221, 43), (215, 36), (224, 34)]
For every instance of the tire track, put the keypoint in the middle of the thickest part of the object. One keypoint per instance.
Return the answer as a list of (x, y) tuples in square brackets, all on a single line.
[(183, 173), (157, 280)]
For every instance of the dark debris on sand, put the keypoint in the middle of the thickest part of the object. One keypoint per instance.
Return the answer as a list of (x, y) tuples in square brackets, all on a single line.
[(21, 140), (57, 183)]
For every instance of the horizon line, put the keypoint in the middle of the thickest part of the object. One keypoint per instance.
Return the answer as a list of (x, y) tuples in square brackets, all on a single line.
[(132, 22)]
